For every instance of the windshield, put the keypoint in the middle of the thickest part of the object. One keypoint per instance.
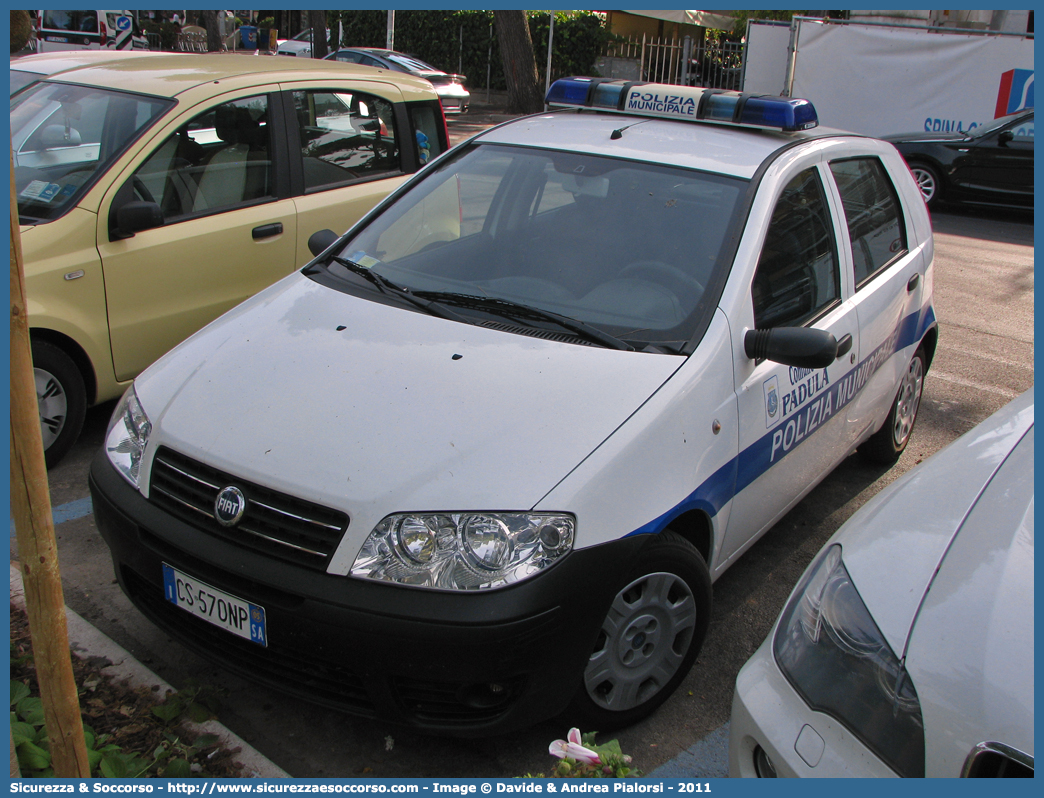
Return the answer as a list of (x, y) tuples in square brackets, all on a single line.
[(63, 138), (627, 247), (989, 127), (411, 64)]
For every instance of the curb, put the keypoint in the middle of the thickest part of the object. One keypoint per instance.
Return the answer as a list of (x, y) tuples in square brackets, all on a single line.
[(86, 641)]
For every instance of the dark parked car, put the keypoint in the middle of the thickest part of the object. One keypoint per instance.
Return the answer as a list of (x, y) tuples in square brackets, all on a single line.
[(988, 165), (451, 89)]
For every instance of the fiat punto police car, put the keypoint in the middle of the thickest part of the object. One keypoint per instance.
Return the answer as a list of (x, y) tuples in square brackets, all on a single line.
[(479, 462)]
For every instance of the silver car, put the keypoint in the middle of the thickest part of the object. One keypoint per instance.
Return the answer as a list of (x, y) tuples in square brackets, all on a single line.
[(907, 647), (452, 91)]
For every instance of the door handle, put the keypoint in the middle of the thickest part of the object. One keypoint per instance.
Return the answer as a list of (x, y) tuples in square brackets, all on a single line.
[(844, 345), (267, 230), (913, 282)]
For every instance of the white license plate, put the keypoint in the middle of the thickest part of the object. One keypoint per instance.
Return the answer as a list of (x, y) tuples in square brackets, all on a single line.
[(215, 606), (56, 39)]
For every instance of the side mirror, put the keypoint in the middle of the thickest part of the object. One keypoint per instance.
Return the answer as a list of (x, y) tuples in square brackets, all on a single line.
[(133, 217), (1004, 137), (321, 241), (802, 347)]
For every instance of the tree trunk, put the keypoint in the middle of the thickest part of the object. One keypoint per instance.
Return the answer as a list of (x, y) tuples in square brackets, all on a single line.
[(317, 22), (214, 41), (520, 69), (37, 547)]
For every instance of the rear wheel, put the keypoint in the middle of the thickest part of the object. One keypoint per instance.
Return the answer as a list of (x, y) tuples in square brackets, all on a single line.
[(885, 445), (61, 398), (650, 637)]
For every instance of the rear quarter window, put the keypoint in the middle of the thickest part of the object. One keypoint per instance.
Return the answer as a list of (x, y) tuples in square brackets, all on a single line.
[(429, 132)]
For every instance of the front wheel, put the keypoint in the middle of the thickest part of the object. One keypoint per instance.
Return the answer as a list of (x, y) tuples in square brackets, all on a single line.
[(650, 637), (928, 182), (885, 445), (61, 398)]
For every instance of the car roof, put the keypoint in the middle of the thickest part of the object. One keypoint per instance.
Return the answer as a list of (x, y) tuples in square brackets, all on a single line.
[(724, 149), (52, 63), (169, 75)]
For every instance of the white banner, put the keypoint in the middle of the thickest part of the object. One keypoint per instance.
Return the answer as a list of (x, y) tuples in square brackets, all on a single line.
[(881, 80), (765, 58)]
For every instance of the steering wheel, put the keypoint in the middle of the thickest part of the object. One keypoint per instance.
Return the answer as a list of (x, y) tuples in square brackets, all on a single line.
[(664, 273), (141, 189)]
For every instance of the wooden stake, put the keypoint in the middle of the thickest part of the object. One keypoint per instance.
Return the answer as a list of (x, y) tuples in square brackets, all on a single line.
[(37, 549)]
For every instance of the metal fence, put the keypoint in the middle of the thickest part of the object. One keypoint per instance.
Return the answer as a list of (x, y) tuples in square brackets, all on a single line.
[(685, 61)]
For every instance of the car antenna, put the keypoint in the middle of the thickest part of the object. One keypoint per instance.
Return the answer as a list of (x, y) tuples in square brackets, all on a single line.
[(618, 133)]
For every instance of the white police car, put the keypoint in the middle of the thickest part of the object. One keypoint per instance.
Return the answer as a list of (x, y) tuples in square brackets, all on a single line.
[(480, 461)]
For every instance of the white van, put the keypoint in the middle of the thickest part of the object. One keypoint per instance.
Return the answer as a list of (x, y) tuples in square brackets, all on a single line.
[(87, 30)]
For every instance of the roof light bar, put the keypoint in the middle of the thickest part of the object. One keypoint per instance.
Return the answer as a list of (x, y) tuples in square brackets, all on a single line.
[(682, 102)]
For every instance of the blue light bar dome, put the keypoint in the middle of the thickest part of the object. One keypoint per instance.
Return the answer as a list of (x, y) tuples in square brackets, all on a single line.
[(691, 104)]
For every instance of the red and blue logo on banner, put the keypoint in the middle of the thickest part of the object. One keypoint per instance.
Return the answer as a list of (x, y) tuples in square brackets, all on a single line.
[(1016, 92)]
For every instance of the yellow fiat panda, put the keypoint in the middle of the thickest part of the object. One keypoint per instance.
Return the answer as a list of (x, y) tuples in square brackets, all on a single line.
[(156, 193)]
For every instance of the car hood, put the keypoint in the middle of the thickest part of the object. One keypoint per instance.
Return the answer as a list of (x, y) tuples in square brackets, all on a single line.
[(919, 138), (374, 409), (904, 535), (970, 655)]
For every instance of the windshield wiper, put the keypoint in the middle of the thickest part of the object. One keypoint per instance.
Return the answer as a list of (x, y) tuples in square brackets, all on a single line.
[(384, 285), (517, 310)]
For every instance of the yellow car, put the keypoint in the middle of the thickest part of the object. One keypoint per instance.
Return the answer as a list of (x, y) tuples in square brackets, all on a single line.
[(156, 193)]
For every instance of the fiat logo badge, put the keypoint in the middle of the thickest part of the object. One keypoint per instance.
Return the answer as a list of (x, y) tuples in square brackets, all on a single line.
[(229, 506)]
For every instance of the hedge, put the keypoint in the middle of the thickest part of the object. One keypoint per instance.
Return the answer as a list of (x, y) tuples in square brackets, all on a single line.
[(465, 41)]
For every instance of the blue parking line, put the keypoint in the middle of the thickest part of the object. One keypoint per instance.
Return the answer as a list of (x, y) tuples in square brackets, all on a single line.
[(707, 759), (69, 511)]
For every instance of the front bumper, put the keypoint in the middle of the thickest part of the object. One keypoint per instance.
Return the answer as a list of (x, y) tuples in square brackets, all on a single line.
[(444, 662), (768, 713)]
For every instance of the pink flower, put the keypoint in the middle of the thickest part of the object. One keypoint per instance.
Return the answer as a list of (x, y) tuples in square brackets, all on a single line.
[(573, 749)]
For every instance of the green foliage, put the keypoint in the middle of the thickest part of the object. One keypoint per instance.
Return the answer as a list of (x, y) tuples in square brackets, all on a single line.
[(465, 41), (169, 760), (21, 29), (194, 703), (613, 762), (168, 32)]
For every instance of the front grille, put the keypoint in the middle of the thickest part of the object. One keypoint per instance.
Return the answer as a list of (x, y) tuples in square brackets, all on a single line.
[(274, 523), (997, 761), (285, 667)]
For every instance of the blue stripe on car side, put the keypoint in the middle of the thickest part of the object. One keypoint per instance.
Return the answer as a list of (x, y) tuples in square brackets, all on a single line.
[(741, 471)]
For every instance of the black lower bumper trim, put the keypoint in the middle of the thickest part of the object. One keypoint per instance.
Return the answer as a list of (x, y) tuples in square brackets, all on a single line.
[(464, 664)]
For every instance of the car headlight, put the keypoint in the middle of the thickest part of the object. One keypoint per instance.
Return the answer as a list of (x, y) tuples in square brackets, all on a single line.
[(832, 652), (463, 551), (127, 436)]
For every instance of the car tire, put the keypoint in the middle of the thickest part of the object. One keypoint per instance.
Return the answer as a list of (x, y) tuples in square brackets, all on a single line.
[(928, 182), (61, 398), (650, 637), (885, 445)]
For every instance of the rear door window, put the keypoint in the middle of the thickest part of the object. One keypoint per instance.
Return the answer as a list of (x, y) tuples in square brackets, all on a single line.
[(345, 136), (873, 215)]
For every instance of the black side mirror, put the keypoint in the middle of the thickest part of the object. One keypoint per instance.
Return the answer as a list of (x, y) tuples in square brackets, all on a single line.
[(133, 217), (321, 241), (802, 347), (1004, 137)]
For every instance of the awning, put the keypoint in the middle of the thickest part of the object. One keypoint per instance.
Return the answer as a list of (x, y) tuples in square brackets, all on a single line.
[(719, 20)]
